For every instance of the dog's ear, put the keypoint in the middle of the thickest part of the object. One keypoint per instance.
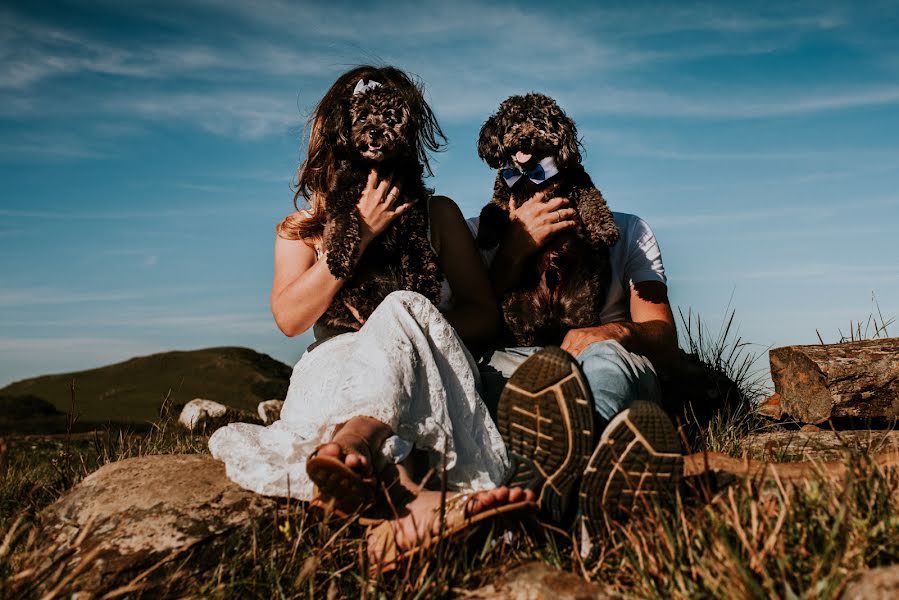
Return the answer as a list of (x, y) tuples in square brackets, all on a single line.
[(569, 145), (490, 147)]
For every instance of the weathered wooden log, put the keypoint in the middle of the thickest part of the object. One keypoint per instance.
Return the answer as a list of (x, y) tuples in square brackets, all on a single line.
[(715, 463), (821, 445), (852, 379)]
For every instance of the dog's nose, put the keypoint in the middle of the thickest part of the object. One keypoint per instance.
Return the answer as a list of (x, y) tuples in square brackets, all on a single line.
[(373, 134), (524, 141)]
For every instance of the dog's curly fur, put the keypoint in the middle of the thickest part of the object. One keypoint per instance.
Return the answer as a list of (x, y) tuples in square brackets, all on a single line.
[(564, 285), (379, 127)]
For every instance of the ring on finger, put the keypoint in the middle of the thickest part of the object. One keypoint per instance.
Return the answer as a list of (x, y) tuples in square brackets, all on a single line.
[(558, 217)]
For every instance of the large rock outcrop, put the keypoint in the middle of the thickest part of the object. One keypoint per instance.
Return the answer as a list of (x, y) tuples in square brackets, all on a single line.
[(124, 523)]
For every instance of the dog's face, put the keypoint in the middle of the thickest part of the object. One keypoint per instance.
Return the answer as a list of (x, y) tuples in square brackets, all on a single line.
[(527, 129), (379, 124)]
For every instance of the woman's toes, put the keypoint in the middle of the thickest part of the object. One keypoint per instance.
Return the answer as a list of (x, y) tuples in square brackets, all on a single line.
[(330, 449), (356, 461), (520, 495), (482, 501), (501, 494)]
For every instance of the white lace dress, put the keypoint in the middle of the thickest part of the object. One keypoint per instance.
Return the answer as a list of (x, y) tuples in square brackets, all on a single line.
[(405, 367)]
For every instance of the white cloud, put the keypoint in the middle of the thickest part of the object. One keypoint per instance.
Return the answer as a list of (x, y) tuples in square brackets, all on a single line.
[(697, 219), (208, 323), (586, 60), (35, 296), (23, 297), (31, 51), (21, 358), (656, 103), (240, 114), (830, 273)]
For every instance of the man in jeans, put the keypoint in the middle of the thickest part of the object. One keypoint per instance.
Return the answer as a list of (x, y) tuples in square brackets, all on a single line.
[(592, 425)]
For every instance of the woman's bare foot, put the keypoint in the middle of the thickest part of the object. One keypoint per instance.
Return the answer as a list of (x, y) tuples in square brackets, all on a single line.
[(356, 443), (423, 515)]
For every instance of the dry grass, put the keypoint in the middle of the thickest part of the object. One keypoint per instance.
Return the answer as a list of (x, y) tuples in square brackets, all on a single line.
[(755, 539)]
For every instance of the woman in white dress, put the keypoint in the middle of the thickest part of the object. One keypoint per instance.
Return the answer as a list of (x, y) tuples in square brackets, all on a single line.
[(359, 400)]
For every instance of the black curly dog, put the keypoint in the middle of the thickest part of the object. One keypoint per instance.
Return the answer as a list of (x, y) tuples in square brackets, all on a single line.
[(377, 127), (564, 285)]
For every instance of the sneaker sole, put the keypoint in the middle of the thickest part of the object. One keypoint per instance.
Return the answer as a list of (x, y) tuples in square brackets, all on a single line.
[(637, 459), (545, 416)]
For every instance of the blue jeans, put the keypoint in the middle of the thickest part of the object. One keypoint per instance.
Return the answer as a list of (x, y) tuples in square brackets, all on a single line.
[(616, 376)]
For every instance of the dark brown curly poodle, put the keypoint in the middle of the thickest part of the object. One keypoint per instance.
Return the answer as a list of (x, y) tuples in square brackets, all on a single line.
[(564, 285), (379, 119)]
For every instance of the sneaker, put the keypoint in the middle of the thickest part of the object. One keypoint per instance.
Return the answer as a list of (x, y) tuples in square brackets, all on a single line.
[(545, 416), (638, 459)]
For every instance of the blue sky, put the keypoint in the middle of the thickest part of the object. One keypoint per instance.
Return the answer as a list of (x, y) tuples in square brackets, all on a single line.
[(147, 150)]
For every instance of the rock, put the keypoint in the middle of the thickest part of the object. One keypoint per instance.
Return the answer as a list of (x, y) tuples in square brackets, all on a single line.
[(209, 416), (199, 410), (270, 411), (771, 407), (812, 443), (852, 379), (875, 584), (538, 581), (139, 513)]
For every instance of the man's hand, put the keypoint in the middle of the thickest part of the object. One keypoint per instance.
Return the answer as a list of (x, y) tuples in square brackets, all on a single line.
[(536, 221), (650, 332), (577, 339), (531, 225)]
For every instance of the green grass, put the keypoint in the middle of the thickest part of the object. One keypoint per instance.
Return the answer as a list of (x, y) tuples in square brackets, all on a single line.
[(754, 539), (751, 540)]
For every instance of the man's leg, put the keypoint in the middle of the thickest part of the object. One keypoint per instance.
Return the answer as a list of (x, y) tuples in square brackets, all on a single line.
[(617, 377), (546, 417), (638, 455)]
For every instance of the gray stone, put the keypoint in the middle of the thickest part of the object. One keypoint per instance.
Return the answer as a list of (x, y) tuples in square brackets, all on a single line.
[(139, 513), (208, 415), (200, 410), (875, 584), (538, 581), (270, 411)]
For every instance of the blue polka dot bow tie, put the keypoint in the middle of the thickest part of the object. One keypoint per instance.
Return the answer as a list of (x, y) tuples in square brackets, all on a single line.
[(539, 173)]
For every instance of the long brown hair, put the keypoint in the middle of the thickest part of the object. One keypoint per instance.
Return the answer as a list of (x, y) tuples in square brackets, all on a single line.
[(329, 131)]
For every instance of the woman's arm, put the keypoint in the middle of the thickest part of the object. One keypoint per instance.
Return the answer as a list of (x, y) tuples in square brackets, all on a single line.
[(303, 288), (474, 314)]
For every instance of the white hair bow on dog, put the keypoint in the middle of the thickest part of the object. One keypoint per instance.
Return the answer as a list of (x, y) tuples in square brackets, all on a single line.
[(363, 87), (539, 173)]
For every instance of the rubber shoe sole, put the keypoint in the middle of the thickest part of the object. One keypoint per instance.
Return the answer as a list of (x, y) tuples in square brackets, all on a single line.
[(545, 416), (638, 460)]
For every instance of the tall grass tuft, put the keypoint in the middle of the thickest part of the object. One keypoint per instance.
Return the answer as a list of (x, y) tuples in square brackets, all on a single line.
[(725, 382)]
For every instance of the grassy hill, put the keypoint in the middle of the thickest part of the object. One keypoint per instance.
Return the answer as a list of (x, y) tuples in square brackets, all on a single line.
[(133, 391)]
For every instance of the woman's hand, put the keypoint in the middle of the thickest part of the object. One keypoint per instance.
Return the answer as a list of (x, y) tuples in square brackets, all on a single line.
[(534, 222), (377, 206)]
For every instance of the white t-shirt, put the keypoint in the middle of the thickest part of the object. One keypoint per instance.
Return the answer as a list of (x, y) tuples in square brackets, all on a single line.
[(635, 257)]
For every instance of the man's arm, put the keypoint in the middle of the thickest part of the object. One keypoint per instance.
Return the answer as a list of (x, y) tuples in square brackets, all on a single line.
[(651, 331)]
